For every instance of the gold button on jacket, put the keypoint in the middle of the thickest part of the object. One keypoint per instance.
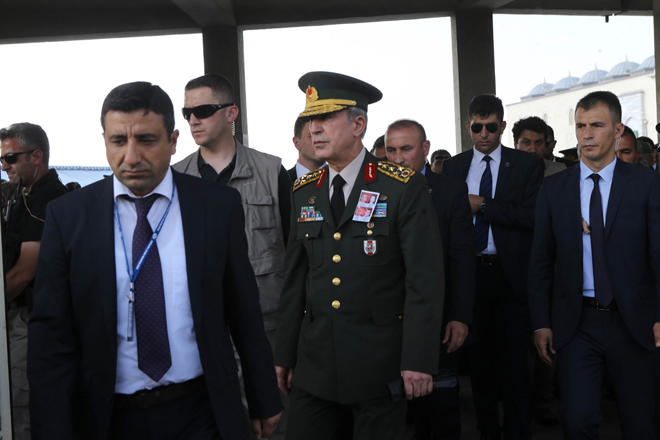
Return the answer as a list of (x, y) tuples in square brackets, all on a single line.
[(336, 281), (336, 304)]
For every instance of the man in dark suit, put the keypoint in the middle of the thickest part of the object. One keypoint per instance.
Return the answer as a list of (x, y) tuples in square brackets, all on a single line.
[(438, 416), (548, 151), (503, 185), (142, 350), (362, 301), (594, 275), (302, 140)]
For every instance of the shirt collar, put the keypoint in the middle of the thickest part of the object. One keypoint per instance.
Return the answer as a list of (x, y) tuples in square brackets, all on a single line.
[(607, 173), (350, 172), (496, 155), (164, 188)]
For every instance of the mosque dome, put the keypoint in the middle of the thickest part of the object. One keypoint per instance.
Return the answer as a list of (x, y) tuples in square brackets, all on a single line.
[(591, 77), (565, 83), (622, 69), (647, 65), (538, 91)]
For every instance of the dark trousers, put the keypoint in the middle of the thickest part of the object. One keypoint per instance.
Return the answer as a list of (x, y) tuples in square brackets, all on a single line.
[(602, 339), (498, 360), (190, 417), (311, 417), (438, 415)]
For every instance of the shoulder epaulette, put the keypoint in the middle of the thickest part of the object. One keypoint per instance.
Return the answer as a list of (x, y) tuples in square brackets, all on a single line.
[(397, 171), (309, 177)]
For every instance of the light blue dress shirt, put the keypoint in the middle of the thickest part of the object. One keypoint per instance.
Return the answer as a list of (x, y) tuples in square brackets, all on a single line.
[(477, 168), (586, 188)]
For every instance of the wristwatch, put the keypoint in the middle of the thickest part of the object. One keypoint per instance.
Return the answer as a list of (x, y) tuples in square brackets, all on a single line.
[(482, 207)]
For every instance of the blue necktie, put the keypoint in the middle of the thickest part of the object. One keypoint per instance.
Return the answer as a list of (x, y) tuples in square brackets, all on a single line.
[(480, 225), (154, 357), (602, 286)]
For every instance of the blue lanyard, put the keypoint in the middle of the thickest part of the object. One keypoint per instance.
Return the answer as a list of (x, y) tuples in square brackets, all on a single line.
[(133, 276)]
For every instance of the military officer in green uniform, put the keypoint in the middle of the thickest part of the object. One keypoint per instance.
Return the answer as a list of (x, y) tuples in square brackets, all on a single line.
[(361, 304)]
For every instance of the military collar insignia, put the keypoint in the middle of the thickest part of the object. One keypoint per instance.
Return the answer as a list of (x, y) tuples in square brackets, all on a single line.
[(398, 172), (369, 172), (307, 178)]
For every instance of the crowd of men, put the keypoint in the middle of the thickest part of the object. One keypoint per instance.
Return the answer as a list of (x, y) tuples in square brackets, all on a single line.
[(171, 302)]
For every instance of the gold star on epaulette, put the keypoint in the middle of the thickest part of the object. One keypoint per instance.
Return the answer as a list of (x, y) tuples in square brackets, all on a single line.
[(309, 177), (397, 171)]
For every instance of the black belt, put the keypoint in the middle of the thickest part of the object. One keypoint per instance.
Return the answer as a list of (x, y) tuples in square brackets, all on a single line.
[(488, 259), (144, 399), (591, 302)]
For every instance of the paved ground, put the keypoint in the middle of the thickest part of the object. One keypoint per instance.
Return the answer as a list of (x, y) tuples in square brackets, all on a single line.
[(609, 429)]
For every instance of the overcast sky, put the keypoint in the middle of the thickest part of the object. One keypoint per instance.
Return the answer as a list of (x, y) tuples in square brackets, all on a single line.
[(61, 85)]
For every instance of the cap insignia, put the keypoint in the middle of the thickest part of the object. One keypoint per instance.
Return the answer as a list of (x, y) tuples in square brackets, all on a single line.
[(312, 94)]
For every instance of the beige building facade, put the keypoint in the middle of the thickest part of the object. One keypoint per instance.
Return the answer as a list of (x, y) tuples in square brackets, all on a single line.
[(633, 83)]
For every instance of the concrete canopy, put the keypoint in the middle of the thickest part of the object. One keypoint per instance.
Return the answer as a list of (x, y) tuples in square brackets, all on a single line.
[(48, 20)]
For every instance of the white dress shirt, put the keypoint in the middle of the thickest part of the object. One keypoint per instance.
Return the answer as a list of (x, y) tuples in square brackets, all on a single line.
[(301, 170), (186, 364), (477, 168), (586, 188), (349, 174)]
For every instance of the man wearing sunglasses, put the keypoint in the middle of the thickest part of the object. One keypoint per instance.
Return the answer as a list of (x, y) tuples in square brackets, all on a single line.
[(24, 153), (264, 184), (438, 157), (503, 184)]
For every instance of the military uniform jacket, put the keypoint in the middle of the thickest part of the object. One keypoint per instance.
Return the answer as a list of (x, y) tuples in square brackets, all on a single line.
[(350, 321)]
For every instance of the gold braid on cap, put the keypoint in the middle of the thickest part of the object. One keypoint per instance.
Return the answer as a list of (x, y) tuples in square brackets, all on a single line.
[(314, 106)]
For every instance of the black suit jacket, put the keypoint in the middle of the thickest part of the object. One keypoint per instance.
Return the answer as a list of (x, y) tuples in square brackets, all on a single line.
[(452, 209), (292, 174), (72, 353), (632, 249), (511, 211)]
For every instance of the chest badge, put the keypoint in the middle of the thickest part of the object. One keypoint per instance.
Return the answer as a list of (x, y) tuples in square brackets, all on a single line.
[(370, 247), (310, 214), (381, 210)]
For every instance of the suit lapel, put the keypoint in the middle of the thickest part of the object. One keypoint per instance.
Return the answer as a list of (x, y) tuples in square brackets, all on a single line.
[(358, 186), (192, 205), (503, 172), (572, 194), (463, 166), (102, 226), (619, 181), (322, 195)]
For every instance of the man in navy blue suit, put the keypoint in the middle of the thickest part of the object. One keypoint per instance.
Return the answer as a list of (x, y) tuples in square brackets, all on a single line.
[(594, 276), (503, 184), (438, 415), (142, 350)]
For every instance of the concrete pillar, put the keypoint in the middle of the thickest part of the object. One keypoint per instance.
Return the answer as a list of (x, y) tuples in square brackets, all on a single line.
[(474, 64), (656, 38), (223, 54)]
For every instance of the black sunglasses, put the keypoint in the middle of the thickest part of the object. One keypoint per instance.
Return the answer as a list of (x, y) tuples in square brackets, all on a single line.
[(440, 158), (492, 127), (11, 158), (203, 111)]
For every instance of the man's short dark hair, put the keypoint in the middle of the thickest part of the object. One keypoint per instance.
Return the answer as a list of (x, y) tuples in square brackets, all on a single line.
[(627, 131), (601, 97), (533, 123), (140, 95), (298, 126), (219, 85), (30, 137), (485, 105), (436, 152), (380, 142), (551, 134), (402, 124), (648, 140)]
